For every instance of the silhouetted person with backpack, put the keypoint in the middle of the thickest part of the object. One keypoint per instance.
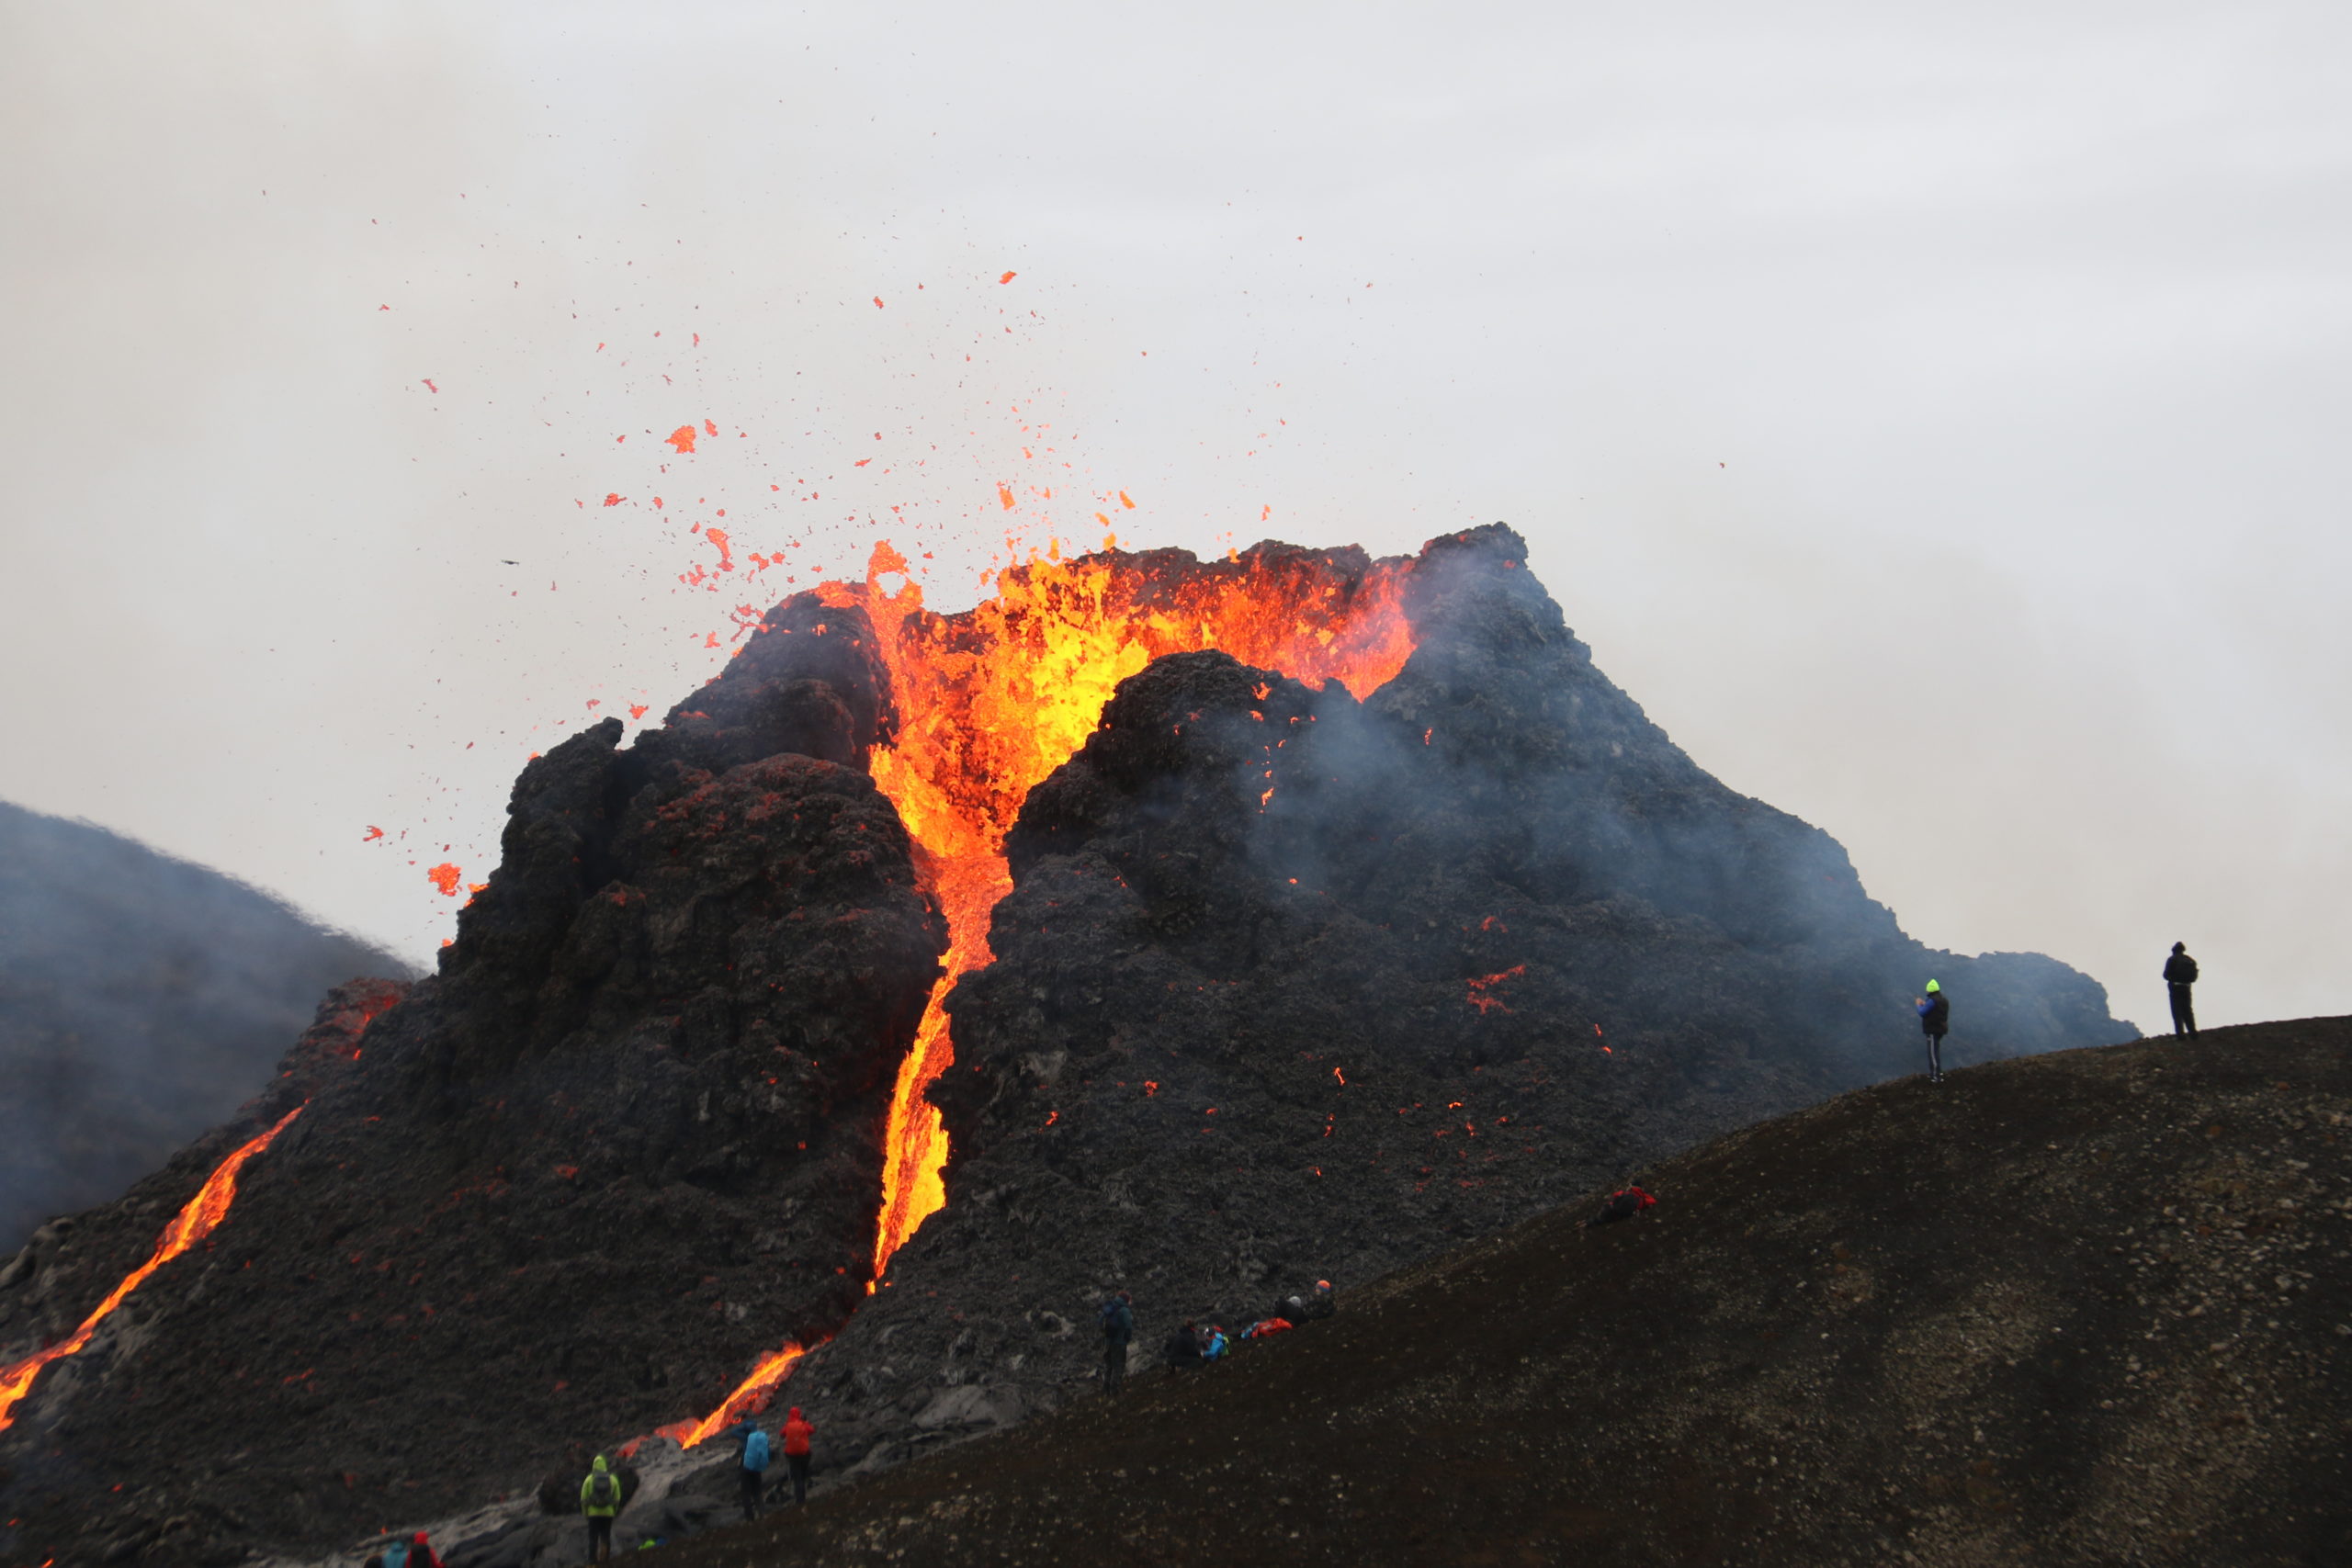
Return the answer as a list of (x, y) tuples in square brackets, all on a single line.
[(600, 1501), (1118, 1328), (1183, 1350), (2180, 973), (796, 1433), (1935, 1023), (751, 1477)]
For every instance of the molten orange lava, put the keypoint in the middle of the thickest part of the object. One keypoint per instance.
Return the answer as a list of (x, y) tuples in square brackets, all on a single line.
[(193, 1224), (750, 1398), (994, 699)]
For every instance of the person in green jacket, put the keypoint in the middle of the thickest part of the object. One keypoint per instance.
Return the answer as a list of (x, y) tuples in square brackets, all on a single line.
[(600, 1500)]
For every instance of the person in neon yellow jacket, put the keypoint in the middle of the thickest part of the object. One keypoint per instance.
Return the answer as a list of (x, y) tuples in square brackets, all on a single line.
[(600, 1500)]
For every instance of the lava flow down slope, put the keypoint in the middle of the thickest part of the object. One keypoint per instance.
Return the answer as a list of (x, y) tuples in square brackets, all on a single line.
[(923, 977)]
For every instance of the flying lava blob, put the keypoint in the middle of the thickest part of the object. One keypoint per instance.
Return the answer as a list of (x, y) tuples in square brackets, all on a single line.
[(195, 1220)]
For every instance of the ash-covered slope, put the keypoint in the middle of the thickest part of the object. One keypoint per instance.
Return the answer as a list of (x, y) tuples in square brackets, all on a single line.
[(625, 1144), (2088, 1308), (141, 998), (1292, 987)]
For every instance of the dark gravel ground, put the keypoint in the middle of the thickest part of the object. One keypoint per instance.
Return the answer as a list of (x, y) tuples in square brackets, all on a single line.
[(2089, 1307)]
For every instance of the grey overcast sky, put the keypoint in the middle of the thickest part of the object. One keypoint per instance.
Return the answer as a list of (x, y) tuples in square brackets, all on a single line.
[(1933, 414)]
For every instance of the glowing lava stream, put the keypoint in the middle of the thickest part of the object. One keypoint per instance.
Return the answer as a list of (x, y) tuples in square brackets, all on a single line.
[(994, 699), (195, 1220)]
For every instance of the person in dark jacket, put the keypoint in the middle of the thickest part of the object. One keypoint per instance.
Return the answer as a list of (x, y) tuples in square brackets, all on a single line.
[(2180, 973), (420, 1553), (1183, 1350), (1935, 1023), (1118, 1328), (1319, 1306)]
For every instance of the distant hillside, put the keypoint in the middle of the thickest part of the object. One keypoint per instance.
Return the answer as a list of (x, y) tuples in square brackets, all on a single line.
[(2087, 1307), (142, 1000)]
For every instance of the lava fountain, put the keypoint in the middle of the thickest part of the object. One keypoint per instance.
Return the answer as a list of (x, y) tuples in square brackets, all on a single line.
[(994, 698), (195, 1220)]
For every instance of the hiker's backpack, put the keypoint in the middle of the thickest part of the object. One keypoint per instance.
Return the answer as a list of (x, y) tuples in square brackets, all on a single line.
[(755, 1451), (603, 1487)]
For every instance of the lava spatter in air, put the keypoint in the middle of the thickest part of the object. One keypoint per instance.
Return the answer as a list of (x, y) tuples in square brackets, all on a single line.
[(195, 1220)]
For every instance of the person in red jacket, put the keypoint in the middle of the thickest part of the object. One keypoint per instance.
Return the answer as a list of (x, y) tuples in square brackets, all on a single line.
[(420, 1553), (796, 1433)]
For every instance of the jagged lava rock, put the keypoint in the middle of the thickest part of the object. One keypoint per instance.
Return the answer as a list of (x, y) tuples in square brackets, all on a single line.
[(625, 1144)]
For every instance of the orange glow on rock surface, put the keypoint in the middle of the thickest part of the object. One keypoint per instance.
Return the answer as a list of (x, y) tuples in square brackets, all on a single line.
[(195, 1220), (750, 1398), (1482, 989), (995, 698)]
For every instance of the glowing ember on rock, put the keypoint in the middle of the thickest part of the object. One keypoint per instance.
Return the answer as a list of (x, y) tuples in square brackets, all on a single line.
[(995, 698), (1481, 989), (195, 1220)]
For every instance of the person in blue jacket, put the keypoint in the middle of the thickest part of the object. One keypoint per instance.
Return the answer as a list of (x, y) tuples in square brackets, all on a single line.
[(1935, 1022), (752, 1462)]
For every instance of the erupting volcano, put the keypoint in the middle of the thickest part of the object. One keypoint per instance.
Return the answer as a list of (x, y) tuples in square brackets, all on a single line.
[(1279, 905), (994, 699)]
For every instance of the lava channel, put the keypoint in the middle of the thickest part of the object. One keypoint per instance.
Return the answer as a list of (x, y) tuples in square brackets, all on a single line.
[(195, 1220)]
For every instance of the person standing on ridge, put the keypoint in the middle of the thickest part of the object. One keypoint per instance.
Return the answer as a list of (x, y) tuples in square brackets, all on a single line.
[(420, 1553), (2180, 973), (1119, 1327), (600, 1501), (796, 1433), (1935, 1022), (752, 1475)]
